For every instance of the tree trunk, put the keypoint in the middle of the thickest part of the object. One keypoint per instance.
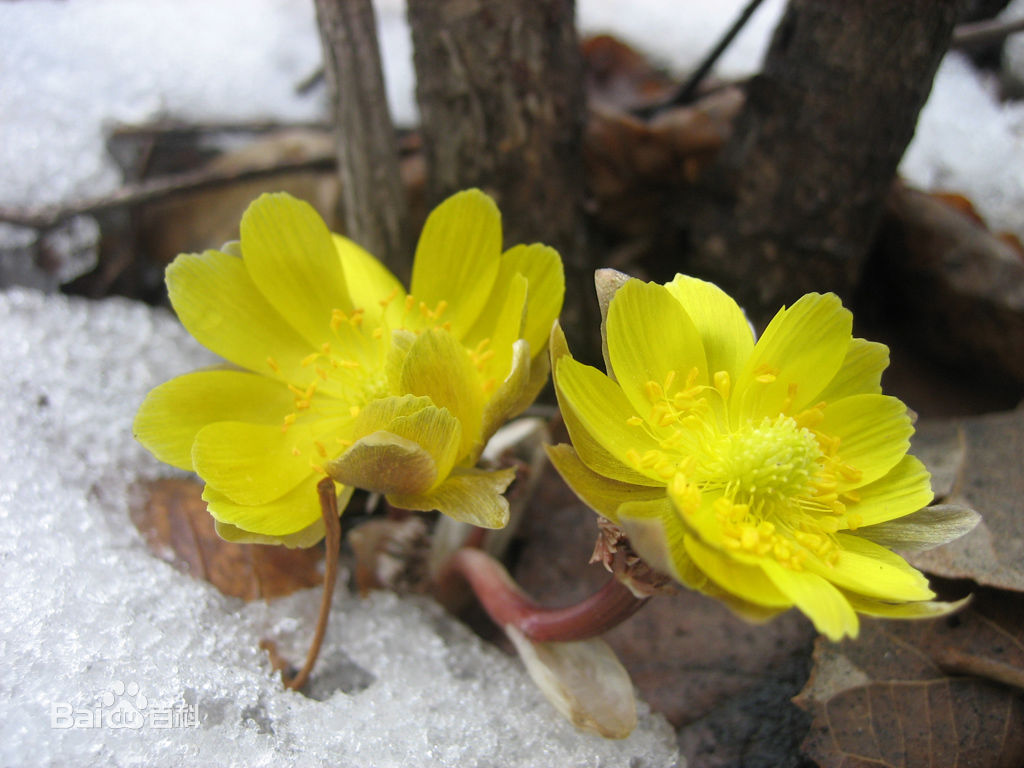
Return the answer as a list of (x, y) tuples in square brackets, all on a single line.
[(798, 192), (374, 202), (500, 93)]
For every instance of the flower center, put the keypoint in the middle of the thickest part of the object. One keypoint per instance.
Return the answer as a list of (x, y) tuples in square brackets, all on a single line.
[(769, 463)]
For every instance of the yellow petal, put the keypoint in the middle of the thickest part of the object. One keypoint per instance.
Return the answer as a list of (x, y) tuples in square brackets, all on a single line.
[(509, 397), (724, 329), (540, 367), (291, 514), (602, 494), (596, 411), (860, 373), (542, 268), (172, 414), (650, 337), (438, 367), (258, 463), (417, 420), (868, 569), (309, 536), (827, 607), (874, 434), (383, 462), (289, 253), (498, 328), (927, 609), (802, 348), (656, 534), (748, 582), (371, 286), (457, 257), (469, 495), (221, 307), (904, 489)]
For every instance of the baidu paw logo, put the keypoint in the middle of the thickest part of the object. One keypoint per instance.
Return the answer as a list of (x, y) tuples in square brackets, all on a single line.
[(124, 705)]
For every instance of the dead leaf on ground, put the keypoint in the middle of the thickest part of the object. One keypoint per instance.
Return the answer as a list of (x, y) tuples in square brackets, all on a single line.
[(921, 692), (176, 526), (978, 462)]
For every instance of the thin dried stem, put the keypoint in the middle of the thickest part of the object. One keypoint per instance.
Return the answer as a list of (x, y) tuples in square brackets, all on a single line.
[(329, 509)]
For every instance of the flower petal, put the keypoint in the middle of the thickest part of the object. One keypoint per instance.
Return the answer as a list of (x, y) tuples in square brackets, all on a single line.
[(904, 489), (860, 373), (922, 530), (290, 255), (724, 329), (868, 569), (469, 495), (309, 536), (457, 256), (499, 327), (798, 355), (596, 411), (748, 582), (509, 397), (291, 514), (258, 463), (542, 268), (371, 286), (927, 609), (220, 306), (650, 337), (822, 603), (384, 462), (656, 534), (418, 420), (874, 435), (602, 494), (438, 367), (172, 414)]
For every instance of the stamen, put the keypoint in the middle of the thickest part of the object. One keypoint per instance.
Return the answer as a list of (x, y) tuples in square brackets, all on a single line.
[(320, 448), (273, 365), (723, 383), (634, 421)]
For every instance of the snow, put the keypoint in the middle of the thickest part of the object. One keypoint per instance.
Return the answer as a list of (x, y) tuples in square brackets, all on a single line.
[(97, 632)]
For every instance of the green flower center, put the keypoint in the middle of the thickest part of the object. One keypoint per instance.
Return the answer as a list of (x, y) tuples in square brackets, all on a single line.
[(769, 463)]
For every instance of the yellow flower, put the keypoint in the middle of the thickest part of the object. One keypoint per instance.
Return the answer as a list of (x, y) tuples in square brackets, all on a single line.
[(756, 473), (340, 372)]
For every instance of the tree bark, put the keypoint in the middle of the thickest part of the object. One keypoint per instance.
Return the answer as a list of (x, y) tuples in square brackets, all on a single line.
[(500, 93), (374, 202), (798, 192)]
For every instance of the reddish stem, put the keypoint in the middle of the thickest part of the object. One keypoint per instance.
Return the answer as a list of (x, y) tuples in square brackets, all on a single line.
[(507, 604)]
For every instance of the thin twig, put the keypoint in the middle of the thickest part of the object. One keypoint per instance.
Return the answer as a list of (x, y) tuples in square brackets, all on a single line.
[(981, 33), (329, 509), (163, 188)]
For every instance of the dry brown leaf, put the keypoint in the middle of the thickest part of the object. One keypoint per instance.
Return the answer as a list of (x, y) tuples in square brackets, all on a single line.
[(978, 462), (177, 527), (919, 693)]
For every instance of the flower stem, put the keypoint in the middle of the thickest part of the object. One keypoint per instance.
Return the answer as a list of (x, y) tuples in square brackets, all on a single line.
[(329, 509), (507, 604)]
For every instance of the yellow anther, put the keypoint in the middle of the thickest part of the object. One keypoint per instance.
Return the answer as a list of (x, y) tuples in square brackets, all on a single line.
[(296, 452), (343, 442), (302, 405), (723, 383), (349, 364), (410, 302), (489, 385), (288, 421), (852, 474), (749, 537), (687, 465), (424, 310), (669, 378), (273, 365), (633, 457), (296, 391), (829, 524), (666, 469), (651, 457), (653, 391), (442, 305), (634, 421), (317, 468), (308, 360), (446, 325), (337, 318), (692, 376), (378, 332), (389, 298), (320, 448), (667, 418), (851, 496), (811, 417), (321, 373), (354, 410), (357, 318), (765, 378), (854, 521)]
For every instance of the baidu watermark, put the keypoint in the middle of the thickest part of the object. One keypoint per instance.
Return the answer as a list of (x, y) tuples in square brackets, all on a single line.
[(123, 705)]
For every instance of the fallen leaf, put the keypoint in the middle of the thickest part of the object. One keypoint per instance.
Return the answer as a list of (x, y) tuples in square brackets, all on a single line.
[(978, 462), (932, 693), (176, 526)]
